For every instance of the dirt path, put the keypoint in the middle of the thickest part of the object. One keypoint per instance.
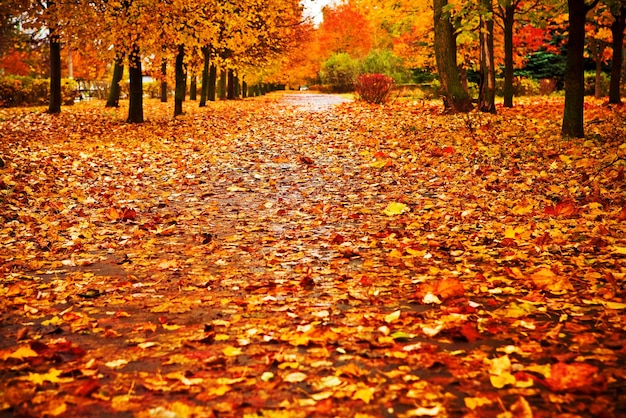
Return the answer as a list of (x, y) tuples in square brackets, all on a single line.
[(240, 261)]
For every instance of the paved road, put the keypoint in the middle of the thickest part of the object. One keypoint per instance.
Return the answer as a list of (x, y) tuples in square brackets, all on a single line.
[(314, 101)]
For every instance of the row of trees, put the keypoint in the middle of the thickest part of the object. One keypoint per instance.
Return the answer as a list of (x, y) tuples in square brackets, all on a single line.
[(270, 39), (237, 36), (453, 38)]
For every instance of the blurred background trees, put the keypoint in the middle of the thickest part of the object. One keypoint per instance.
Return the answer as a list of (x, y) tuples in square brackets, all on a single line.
[(254, 44)]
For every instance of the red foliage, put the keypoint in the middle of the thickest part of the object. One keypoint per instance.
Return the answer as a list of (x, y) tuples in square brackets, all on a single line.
[(374, 88)]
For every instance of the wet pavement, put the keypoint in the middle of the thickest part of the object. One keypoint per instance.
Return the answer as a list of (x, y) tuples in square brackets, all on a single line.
[(314, 101)]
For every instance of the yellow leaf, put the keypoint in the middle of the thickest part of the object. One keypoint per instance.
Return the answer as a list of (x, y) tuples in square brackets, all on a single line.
[(218, 390), (116, 364), (502, 380), (378, 164), (567, 160), (395, 254), (171, 327), (619, 250), (57, 409), (392, 316), (473, 403), (395, 208), (365, 394), (231, 351), (295, 377), (21, 353), (52, 376), (500, 365)]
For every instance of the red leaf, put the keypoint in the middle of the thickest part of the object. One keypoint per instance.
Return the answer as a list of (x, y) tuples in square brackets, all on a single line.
[(565, 208)]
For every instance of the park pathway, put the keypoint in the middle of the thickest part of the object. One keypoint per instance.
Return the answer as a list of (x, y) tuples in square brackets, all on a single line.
[(294, 255)]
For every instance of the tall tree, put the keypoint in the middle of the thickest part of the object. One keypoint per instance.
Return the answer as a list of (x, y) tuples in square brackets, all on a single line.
[(573, 118), (54, 106), (456, 98), (487, 96), (212, 81), (163, 80), (114, 90), (205, 76), (135, 106), (181, 81), (617, 30)]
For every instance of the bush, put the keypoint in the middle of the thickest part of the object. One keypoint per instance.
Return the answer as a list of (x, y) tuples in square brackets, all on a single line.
[(340, 72), (385, 62), (590, 83), (28, 91), (374, 88), (523, 86)]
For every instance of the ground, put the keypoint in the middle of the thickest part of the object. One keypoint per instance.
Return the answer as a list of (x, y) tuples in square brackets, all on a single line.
[(297, 255)]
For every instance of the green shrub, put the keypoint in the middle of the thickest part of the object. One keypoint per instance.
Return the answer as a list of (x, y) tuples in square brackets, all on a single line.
[(523, 86), (28, 91), (339, 72), (590, 83), (383, 61)]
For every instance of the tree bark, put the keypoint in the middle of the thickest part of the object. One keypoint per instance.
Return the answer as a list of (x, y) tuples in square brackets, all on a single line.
[(114, 90), (487, 96), (617, 29), (181, 81), (205, 77), (230, 91), (55, 74), (193, 88), (456, 97), (573, 123), (212, 80), (509, 20), (135, 106), (597, 47), (163, 80), (222, 85)]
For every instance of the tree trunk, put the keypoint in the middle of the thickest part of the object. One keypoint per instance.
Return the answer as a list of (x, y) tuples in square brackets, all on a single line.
[(55, 74), (205, 77), (573, 125), (456, 98), (193, 88), (487, 97), (181, 81), (212, 81), (617, 29), (163, 80), (114, 90), (509, 20), (222, 85), (135, 106), (597, 47), (244, 88), (230, 95)]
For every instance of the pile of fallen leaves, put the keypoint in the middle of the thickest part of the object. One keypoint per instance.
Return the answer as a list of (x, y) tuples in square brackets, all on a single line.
[(269, 258)]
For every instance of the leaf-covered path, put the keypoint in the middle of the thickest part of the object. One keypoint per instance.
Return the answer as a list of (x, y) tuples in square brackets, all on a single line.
[(269, 258)]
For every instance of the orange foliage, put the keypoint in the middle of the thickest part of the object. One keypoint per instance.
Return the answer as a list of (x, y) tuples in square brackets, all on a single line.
[(345, 29), (15, 62)]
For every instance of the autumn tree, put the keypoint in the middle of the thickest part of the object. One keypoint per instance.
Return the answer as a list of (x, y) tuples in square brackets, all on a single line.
[(618, 11), (54, 37), (115, 88), (345, 30), (486, 99), (572, 125), (456, 98)]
